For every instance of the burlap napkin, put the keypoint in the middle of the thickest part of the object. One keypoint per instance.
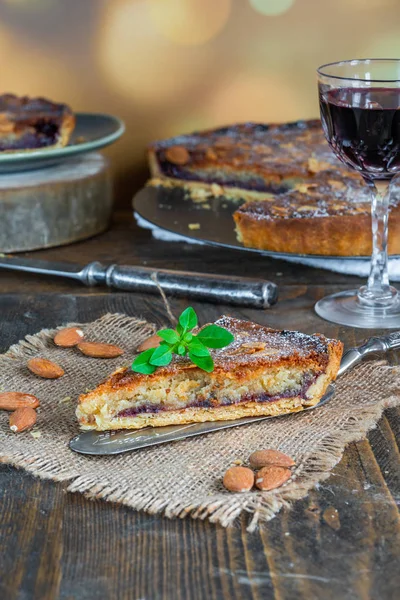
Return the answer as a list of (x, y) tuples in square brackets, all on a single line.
[(182, 478)]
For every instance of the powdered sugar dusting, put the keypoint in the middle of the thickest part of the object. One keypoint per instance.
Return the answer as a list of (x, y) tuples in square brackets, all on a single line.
[(277, 344), (331, 193), (254, 345)]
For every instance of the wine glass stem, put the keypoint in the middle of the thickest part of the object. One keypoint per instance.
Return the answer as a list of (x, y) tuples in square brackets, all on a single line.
[(378, 293)]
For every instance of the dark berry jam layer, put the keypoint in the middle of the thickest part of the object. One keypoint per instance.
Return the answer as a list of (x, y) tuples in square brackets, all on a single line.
[(148, 407), (252, 182), (45, 134)]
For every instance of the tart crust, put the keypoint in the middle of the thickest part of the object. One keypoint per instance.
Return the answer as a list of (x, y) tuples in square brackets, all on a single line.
[(318, 218)]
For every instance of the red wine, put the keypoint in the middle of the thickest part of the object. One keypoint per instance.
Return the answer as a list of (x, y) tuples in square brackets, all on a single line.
[(363, 128)]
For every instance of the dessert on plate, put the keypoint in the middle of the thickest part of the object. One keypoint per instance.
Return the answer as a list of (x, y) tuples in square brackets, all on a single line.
[(33, 123), (307, 201), (262, 372)]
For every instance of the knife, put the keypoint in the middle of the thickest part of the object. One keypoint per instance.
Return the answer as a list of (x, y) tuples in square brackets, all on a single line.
[(105, 443), (222, 289)]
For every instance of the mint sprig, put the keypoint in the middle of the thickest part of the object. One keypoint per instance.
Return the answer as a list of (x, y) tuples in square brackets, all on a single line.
[(183, 342)]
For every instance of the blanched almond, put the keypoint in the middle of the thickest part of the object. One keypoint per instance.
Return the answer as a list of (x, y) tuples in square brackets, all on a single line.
[(68, 337), (98, 350), (14, 400), (22, 419), (45, 368), (178, 155), (238, 479), (151, 342), (254, 345), (263, 458), (269, 478)]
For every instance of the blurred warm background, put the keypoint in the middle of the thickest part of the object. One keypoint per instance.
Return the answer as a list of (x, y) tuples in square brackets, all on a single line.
[(171, 66)]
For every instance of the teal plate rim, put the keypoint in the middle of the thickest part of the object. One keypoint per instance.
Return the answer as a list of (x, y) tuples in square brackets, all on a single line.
[(70, 149)]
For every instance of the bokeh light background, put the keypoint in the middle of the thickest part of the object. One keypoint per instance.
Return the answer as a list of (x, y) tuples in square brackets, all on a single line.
[(172, 66)]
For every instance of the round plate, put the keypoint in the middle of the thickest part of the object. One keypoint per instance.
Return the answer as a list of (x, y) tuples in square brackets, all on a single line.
[(210, 222), (92, 131)]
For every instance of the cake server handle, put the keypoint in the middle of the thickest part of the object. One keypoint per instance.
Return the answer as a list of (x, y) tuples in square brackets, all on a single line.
[(379, 344)]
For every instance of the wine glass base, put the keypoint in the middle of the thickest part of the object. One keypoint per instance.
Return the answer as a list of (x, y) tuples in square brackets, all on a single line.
[(344, 309)]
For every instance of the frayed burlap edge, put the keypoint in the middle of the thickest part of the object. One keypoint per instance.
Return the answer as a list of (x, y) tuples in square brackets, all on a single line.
[(222, 509), (262, 507)]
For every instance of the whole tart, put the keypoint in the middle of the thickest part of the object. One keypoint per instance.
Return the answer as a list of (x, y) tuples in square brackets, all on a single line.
[(33, 123), (245, 160), (299, 198), (262, 372)]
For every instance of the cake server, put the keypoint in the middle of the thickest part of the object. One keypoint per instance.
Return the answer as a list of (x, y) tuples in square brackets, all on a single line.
[(104, 443), (222, 289)]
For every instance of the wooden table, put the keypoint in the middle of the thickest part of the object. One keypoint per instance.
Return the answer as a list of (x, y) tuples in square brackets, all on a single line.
[(54, 544)]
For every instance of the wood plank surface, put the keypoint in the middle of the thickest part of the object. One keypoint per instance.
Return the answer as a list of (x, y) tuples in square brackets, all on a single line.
[(57, 545)]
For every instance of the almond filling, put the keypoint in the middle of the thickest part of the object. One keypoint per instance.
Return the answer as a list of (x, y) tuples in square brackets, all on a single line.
[(255, 392)]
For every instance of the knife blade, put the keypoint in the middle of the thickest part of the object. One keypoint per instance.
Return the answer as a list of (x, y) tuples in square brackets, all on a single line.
[(222, 289), (104, 443)]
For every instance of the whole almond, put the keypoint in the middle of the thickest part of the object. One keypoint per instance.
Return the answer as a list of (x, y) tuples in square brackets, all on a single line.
[(98, 350), (238, 479), (178, 155), (271, 477), (263, 458), (68, 337), (14, 400), (45, 368), (151, 342), (22, 419)]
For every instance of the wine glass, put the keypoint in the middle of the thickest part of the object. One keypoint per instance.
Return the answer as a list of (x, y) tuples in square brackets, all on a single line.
[(360, 112)]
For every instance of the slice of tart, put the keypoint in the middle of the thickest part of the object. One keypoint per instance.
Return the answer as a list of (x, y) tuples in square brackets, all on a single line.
[(262, 372), (33, 123)]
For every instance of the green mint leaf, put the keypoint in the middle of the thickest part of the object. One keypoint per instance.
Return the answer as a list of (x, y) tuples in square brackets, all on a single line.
[(214, 336), (162, 356), (144, 369), (188, 319), (181, 341), (141, 363), (197, 348), (204, 362), (169, 335)]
